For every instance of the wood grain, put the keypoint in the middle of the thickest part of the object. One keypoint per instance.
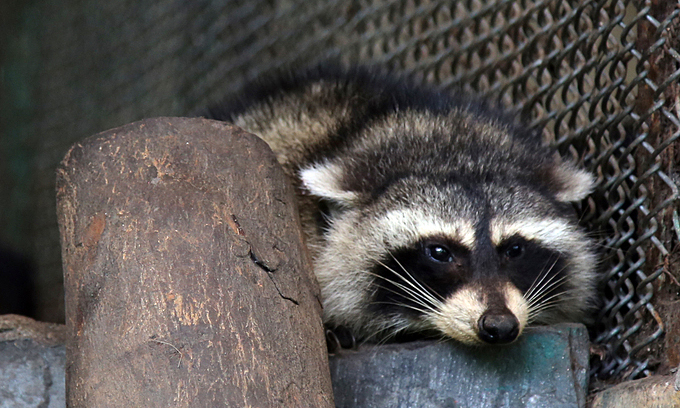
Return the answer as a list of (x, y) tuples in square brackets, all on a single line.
[(187, 282)]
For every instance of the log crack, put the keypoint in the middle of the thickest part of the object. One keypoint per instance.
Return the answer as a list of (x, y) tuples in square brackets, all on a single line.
[(270, 272), (47, 384)]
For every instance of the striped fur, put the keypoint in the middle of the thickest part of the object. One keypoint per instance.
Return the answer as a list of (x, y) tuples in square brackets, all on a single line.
[(394, 177)]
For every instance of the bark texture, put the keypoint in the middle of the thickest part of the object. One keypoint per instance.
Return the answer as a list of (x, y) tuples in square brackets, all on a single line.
[(187, 283)]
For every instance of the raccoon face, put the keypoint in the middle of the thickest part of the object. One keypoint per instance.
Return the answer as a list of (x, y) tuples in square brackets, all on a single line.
[(473, 263)]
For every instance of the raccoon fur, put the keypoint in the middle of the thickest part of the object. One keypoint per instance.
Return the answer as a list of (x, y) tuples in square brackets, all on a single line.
[(424, 211)]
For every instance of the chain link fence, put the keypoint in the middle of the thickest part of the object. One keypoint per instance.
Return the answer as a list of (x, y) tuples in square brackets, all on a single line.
[(601, 78)]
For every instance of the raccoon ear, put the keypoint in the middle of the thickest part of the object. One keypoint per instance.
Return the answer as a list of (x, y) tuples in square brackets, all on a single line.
[(325, 180), (573, 183)]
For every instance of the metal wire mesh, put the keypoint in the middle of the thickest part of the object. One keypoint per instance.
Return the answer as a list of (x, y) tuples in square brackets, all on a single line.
[(600, 77)]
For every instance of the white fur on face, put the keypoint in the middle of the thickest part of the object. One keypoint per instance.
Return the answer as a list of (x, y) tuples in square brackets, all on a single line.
[(556, 234), (459, 315), (401, 228)]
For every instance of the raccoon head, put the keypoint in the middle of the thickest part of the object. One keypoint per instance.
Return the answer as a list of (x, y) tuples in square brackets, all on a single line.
[(473, 262)]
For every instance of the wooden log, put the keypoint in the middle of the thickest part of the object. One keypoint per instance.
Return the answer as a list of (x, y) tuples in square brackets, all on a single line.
[(186, 279), (657, 391)]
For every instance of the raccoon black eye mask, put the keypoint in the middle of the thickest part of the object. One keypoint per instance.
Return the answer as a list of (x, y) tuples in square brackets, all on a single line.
[(424, 211)]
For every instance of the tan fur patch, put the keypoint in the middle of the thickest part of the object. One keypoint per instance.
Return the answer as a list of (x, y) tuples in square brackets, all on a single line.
[(460, 314), (517, 305)]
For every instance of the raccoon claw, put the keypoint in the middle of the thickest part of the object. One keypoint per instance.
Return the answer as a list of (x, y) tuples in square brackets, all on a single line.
[(339, 338)]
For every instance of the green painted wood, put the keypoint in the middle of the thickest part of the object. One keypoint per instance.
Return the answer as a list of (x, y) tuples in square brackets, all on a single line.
[(547, 367)]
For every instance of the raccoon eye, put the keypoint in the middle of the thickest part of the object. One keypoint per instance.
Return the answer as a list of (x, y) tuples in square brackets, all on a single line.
[(439, 253), (514, 251)]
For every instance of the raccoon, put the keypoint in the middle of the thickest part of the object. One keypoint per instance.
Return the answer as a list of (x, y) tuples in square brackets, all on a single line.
[(424, 211)]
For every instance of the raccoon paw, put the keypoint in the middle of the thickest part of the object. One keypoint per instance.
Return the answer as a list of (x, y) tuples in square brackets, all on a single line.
[(338, 338)]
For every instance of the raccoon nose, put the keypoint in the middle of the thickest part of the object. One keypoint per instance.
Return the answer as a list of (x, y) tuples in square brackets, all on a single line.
[(498, 328)]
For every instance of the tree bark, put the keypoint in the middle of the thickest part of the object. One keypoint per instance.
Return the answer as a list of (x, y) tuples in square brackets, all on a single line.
[(186, 279)]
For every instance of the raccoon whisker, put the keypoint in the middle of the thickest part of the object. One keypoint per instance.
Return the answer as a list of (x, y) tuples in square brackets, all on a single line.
[(425, 312), (556, 299), (384, 336), (412, 290), (416, 289), (377, 334), (427, 289), (390, 331), (415, 296), (545, 272), (580, 217), (542, 307), (563, 292), (413, 283), (600, 244), (545, 288), (532, 317), (544, 285), (538, 282), (395, 328), (544, 294), (379, 337), (428, 309)]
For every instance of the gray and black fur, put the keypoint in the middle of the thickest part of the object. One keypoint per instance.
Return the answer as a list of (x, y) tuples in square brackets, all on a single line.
[(424, 211)]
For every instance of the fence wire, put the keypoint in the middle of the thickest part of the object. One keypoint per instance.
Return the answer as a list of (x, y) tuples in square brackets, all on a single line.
[(599, 77)]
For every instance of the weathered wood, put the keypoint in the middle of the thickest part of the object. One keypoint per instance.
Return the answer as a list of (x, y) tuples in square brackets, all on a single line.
[(31, 363), (186, 280), (545, 368), (651, 392)]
